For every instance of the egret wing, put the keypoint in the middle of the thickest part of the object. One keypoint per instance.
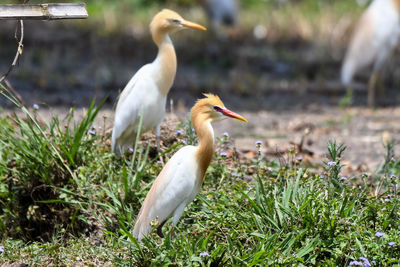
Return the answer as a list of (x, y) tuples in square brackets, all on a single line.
[(173, 186), (128, 110)]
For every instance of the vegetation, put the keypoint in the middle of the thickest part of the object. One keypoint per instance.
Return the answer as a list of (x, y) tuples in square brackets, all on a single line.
[(65, 199)]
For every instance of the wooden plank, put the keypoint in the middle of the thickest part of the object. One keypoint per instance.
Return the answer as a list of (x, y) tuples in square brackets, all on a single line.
[(43, 11)]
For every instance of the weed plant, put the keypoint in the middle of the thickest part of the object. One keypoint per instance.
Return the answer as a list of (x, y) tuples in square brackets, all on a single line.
[(39, 167)]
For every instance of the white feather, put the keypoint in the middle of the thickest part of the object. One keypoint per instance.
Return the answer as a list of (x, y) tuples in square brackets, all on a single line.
[(140, 96), (175, 187)]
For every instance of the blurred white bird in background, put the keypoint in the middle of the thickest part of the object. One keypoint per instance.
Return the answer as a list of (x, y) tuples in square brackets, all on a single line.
[(183, 175), (372, 43), (221, 12), (147, 91)]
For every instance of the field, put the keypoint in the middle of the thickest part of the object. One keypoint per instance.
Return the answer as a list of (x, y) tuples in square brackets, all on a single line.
[(312, 179)]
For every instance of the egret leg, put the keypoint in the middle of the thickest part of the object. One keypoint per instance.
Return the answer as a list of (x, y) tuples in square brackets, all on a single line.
[(371, 89), (177, 215), (159, 229), (381, 87), (158, 134)]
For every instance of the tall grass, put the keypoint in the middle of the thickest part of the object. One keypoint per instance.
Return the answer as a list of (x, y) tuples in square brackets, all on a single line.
[(39, 163)]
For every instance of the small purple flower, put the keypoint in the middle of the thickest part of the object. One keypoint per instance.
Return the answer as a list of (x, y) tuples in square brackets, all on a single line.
[(184, 142), (258, 143), (178, 132), (388, 198), (1, 249), (93, 127), (366, 261), (131, 149), (92, 132), (379, 234), (356, 263), (223, 154), (331, 163), (35, 106), (393, 176), (392, 244), (373, 262), (235, 174), (204, 254), (294, 255), (299, 158), (226, 134), (343, 178)]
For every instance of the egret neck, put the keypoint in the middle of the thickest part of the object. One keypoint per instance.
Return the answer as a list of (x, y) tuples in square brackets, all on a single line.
[(165, 60), (205, 149)]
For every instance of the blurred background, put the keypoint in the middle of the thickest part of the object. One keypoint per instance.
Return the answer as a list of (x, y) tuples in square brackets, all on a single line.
[(279, 54), (277, 59)]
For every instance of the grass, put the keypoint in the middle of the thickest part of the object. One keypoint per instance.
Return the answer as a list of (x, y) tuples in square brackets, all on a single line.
[(65, 200)]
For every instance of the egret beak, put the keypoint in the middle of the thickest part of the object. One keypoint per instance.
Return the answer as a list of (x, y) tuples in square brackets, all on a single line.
[(192, 25), (232, 114)]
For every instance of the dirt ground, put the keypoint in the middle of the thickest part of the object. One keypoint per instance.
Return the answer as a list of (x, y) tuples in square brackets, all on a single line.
[(362, 130)]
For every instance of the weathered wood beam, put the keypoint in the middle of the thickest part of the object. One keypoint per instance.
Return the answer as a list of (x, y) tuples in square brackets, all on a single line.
[(43, 11)]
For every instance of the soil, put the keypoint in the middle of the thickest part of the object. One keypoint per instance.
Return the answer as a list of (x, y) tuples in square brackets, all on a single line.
[(288, 90)]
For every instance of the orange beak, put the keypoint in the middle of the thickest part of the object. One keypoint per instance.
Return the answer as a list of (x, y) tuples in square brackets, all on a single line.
[(232, 114), (192, 25)]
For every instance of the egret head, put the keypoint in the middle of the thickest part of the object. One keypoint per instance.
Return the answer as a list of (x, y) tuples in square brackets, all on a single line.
[(169, 21), (213, 109)]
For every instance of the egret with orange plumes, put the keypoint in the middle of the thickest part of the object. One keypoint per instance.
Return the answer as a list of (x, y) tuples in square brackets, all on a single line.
[(373, 41), (183, 175), (146, 92)]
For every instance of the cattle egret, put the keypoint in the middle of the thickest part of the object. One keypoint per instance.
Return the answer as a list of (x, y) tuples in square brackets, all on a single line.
[(221, 12), (182, 177), (373, 41), (146, 92)]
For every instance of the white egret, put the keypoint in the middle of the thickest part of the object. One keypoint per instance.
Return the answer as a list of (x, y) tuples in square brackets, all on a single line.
[(182, 177), (373, 41), (146, 92)]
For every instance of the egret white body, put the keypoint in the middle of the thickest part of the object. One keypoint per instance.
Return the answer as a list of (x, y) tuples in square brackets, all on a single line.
[(373, 41), (173, 190), (183, 175), (146, 92)]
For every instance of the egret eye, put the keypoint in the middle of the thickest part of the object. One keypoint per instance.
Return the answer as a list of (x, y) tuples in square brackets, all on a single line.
[(217, 108), (176, 21)]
